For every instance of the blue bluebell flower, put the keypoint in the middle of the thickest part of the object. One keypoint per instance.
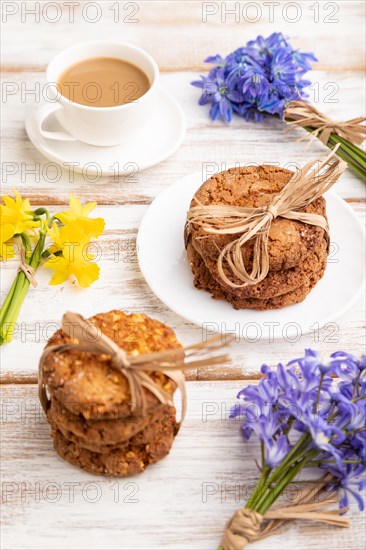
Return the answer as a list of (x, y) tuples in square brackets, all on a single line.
[(220, 94), (283, 67), (276, 450), (268, 46), (352, 487), (302, 399), (326, 437), (254, 83), (249, 110), (218, 62), (266, 75), (345, 366), (351, 480), (303, 60), (242, 57)]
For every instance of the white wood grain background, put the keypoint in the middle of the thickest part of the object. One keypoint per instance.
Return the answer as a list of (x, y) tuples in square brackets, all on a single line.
[(169, 512), (182, 502)]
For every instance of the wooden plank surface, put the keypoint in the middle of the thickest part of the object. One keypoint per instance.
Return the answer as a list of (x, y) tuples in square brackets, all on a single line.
[(207, 146), (186, 39), (38, 510), (123, 201), (182, 502), (121, 285)]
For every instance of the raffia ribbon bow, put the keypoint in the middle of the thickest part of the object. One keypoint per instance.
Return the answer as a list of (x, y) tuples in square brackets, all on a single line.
[(248, 526), (172, 362), (299, 113), (27, 269), (305, 186)]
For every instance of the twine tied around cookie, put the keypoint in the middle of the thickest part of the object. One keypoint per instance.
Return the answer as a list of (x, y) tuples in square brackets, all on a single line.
[(247, 525), (89, 338), (299, 113), (26, 268), (305, 186)]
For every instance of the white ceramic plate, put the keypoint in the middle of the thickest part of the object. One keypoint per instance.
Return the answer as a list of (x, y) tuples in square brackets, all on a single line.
[(161, 138), (164, 264)]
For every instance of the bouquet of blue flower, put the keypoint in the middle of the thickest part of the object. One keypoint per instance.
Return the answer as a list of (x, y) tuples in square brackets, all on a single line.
[(265, 77), (303, 419)]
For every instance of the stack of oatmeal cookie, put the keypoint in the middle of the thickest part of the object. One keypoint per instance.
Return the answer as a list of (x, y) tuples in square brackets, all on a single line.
[(297, 251), (90, 410)]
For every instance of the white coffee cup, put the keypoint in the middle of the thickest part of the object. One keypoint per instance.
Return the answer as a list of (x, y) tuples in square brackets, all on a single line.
[(103, 126)]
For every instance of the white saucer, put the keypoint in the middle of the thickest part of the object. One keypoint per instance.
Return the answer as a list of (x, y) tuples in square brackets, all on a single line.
[(163, 262), (161, 138)]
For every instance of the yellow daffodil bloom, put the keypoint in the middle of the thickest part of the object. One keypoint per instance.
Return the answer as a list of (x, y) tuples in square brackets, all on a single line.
[(75, 260), (72, 233), (6, 246), (58, 241), (77, 222), (63, 247), (17, 214)]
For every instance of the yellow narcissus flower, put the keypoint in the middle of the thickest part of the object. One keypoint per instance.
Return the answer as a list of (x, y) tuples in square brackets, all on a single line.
[(58, 241), (75, 260), (6, 248), (17, 214), (77, 221), (67, 253)]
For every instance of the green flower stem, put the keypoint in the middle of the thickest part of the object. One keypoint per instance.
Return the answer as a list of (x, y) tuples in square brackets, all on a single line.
[(356, 152), (15, 306), (259, 487), (352, 154), (318, 394), (296, 454), (263, 455), (349, 148), (358, 430), (352, 163), (40, 212), (289, 475), (318, 463), (354, 159), (290, 423), (28, 253), (356, 385), (27, 245), (273, 493), (9, 297), (14, 300), (7, 321), (358, 398)]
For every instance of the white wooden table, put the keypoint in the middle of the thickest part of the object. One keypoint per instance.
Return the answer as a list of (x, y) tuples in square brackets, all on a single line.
[(184, 501)]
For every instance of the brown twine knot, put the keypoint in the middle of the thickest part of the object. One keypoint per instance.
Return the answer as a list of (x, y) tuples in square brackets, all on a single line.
[(272, 210), (242, 529), (27, 269), (89, 338), (305, 186), (248, 526), (299, 113)]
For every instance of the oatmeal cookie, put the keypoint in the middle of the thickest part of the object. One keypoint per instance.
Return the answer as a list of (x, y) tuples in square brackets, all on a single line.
[(253, 186), (101, 435), (89, 385), (277, 282), (204, 280), (129, 460)]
